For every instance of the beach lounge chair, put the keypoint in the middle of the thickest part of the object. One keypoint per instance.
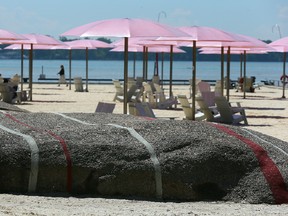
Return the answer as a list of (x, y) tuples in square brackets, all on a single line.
[(78, 84), (119, 89), (209, 98), (8, 93), (162, 101), (131, 92), (218, 89), (144, 109), (208, 112), (204, 87), (148, 95), (105, 107), (190, 86), (229, 115), (199, 116)]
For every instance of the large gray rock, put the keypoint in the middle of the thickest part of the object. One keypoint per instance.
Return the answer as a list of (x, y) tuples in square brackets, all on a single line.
[(101, 155)]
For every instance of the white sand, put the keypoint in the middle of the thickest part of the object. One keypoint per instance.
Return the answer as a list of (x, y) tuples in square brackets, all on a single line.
[(266, 112)]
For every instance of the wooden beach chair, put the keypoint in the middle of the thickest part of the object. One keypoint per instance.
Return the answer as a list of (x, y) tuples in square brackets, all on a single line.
[(208, 112), (186, 106), (105, 107), (144, 109), (119, 89), (228, 114)]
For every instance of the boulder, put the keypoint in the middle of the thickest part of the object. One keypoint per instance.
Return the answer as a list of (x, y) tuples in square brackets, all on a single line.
[(99, 154)]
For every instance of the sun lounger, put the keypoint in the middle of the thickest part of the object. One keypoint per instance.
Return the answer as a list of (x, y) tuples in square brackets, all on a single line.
[(144, 109), (105, 107), (209, 113), (119, 89), (229, 115), (199, 116)]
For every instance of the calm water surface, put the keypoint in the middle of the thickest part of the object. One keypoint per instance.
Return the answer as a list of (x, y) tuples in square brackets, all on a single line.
[(114, 69)]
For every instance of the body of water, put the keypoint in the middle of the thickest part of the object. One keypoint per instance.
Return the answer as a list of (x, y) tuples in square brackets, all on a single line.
[(114, 69)]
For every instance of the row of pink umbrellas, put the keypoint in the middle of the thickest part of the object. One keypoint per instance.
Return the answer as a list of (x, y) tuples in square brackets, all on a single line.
[(192, 36)]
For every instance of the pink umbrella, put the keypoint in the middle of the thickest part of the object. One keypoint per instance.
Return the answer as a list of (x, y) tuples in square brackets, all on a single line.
[(203, 34), (281, 45), (126, 28), (8, 35), (154, 49), (87, 44), (34, 39)]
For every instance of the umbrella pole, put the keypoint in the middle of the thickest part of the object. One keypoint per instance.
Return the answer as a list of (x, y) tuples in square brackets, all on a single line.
[(146, 63), (194, 80), (284, 74), (143, 72), (222, 70), (30, 71), (171, 71), (228, 74), (162, 69), (22, 65), (86, 69), (241, 64), (134, 66), (70, 70), (244, 72), (125, 75)]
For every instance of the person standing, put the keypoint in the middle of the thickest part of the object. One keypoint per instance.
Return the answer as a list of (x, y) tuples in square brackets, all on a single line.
[(62, 76)]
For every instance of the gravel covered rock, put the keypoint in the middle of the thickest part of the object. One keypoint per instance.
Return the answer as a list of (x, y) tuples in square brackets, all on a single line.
[(101, 154)]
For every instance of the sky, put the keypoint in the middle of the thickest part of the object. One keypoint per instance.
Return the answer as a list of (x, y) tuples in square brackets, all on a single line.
[(262, 19)]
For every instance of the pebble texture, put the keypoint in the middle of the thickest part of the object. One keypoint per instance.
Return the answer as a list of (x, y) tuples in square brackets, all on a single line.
[(100, 154)]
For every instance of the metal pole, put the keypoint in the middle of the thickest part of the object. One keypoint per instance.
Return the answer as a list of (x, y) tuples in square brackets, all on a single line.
[(222, 71), (86, 69), (228, 74), (244, 81), (125, 75), (22, 66), (30, 71), (70, 67), (284, 74), (171, 71), (194, 52)]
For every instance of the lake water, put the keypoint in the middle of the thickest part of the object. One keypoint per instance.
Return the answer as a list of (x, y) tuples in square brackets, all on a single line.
[(114, 69)]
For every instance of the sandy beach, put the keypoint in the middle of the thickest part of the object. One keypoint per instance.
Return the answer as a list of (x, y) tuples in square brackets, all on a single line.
[(266, 112), (265, 108)]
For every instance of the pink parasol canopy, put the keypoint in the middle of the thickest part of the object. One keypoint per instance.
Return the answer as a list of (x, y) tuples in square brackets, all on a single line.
[(87, 44), (281, 45), (32, 40), (199, 34), (125, 27), (8, 35)]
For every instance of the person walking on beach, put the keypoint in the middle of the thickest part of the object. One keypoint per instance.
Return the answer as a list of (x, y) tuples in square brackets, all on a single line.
[(62, 76)]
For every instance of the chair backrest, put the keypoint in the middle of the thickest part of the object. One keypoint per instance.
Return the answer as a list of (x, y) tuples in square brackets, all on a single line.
[(144, 109), (118, 87), (224, 109), (131, 92), (6, 92), (158, 87), (155, 79), (105, 107), (136, 97), (204, 87), (147, 87), (205, 109), (209, 98), (183, 100), (218, 89), (139, 81)]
